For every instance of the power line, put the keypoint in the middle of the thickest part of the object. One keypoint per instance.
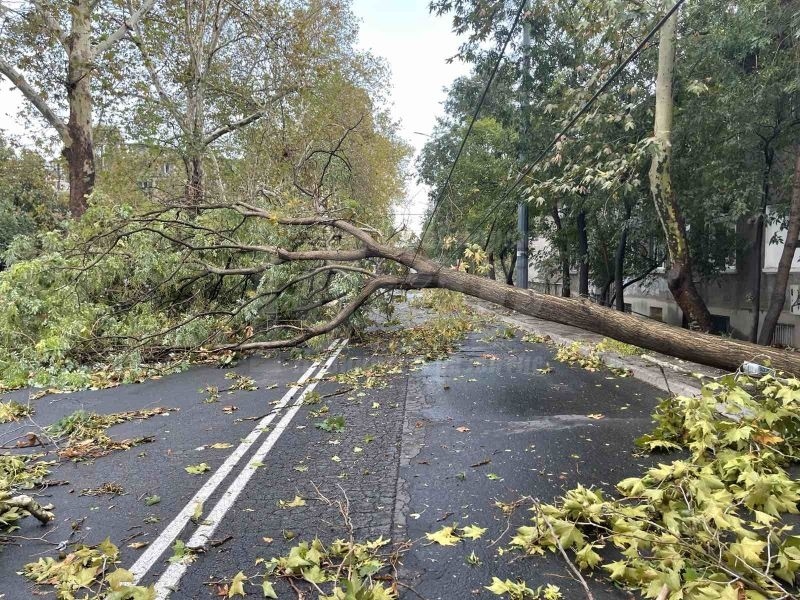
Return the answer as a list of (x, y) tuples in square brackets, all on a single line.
[(632, 56), (471, 125)]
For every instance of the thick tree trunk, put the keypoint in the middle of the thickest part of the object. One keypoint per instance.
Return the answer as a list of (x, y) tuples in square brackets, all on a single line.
[(679, 274), (693, 346), (583, 255), (778, 297), (79, 145), (755, 286), (491, 272), (195, 181)]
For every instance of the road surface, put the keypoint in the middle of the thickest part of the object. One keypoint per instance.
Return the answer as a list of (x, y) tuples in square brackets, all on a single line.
[(438, 445)]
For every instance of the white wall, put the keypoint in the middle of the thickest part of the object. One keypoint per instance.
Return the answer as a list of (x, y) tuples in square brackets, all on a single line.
[(772, 252)]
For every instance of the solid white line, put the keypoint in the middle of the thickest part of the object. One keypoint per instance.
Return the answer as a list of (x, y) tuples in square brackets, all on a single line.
[(149, 557), (172, 576)]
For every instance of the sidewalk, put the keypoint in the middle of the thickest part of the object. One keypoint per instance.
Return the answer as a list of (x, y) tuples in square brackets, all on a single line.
[(667, 373)]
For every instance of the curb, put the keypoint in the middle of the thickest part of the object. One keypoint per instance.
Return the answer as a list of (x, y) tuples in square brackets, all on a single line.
[(665, 376)]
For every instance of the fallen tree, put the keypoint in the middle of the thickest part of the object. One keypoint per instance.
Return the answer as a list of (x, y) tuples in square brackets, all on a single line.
[(353, 249)]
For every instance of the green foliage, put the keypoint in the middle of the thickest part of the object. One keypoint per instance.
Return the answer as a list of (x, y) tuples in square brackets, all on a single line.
[(334, 424), (11, 410), (341, 571), (18, 473), (89, 572), (699, 523), (28, 202)]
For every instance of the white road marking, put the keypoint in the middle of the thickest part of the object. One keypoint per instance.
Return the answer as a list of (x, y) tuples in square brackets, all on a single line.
[(149, 557), (172, 576)]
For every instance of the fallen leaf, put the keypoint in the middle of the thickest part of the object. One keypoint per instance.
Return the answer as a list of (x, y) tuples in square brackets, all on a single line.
[(462, 429), (237, 585), (473, 532), (596, 416), (137, 545), (221, 446), (197, 469), (229, 409), (443, 537)]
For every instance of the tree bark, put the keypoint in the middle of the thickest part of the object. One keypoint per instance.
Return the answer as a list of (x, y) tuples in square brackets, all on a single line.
[(79, 145), (778, 297), (511, 267), (195, 181), (563, 254), (583, 255), (679, 274), (619, 263)]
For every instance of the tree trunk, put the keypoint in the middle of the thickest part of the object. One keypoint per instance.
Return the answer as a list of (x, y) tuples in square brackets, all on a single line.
[(755, 288), (778, 298), (583, 255), (619, 263), (195, 181), (694, 346), (679, 275), (79, 145), (491, 272), (562, 254), (511, 268)]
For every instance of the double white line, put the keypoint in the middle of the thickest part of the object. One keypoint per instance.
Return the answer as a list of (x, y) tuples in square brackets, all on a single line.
[(172, 576)]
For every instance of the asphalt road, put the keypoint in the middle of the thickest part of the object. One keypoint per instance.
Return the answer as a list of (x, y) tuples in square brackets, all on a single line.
[(404, 464)]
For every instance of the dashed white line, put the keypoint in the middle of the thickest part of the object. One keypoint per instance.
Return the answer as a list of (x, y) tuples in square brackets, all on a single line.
[(172, 576), (149, 557)]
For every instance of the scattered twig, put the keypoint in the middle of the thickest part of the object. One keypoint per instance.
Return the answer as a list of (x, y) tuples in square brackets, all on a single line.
[(570, 564)]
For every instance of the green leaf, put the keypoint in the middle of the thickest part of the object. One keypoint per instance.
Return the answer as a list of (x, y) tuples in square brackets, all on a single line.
[(197, 469), (237, 585)]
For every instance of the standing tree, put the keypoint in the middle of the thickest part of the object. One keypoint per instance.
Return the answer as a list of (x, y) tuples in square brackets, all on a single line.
[(679, 275), (778, 297), (52, 53), (213, 68)]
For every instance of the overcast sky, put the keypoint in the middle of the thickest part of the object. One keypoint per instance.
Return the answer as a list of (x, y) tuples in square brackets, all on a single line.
[(416, 45)]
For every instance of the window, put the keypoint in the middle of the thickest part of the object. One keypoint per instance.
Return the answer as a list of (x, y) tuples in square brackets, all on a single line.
[(656, 313), (720, 324), (784, 335)]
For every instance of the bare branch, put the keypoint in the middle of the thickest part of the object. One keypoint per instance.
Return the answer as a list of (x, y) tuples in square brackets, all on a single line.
[(36, 99), (220, 131), (385, 282), (127, 25)]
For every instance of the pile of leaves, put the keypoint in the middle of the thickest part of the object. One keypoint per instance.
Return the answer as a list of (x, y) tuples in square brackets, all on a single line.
[(712, 524), (89, 571), (12, 410), (342, 570), (86, 436)]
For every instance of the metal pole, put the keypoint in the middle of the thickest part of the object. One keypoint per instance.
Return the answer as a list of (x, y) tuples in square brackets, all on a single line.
[(522, 205)]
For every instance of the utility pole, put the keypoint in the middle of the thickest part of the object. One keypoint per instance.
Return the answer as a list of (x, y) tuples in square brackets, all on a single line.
[(522, 205)]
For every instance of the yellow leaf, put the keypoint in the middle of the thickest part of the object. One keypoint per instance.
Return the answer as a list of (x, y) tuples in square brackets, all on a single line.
[(237, 585), (443, 537)]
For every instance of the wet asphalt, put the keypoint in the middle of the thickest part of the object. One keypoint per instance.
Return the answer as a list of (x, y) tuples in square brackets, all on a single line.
[(437, 444)]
